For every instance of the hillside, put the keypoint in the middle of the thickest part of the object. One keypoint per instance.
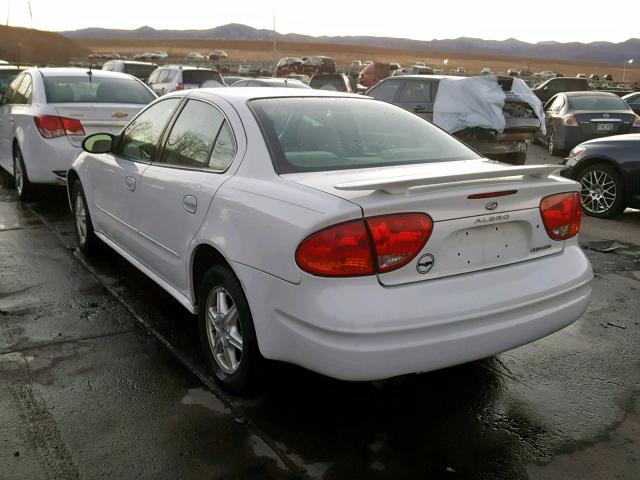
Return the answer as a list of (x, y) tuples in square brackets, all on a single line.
[(600, 52), (28, 46)]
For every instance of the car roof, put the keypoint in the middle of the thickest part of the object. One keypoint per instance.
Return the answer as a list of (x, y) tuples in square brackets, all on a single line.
[(75, 72), (242, 95), (590, 94), (4, 66), (188, 67)]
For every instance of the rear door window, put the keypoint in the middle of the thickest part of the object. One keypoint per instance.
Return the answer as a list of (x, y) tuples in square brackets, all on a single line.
[(200, 138), (417, 91), (139, 140), (10, 94), (23, 95)]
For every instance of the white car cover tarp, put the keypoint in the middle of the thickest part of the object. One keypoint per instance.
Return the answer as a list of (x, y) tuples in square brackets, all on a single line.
[(468, 102), (525, 93)]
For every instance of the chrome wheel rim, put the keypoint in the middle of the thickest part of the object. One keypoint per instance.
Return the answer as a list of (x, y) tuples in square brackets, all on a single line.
[(598, 191), (81, 219), (223, 330), (552, 139), (17, 175)]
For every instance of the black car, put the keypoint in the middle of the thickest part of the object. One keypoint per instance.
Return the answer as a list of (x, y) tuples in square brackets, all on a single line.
[(575, 117), (555, 85), (609, 171), (633, 100)]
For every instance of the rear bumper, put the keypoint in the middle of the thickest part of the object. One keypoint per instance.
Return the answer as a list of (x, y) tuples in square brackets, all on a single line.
[(47, 160), (356, 329)]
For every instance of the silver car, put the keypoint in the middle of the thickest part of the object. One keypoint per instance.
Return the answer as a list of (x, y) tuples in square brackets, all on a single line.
[(171, 78)]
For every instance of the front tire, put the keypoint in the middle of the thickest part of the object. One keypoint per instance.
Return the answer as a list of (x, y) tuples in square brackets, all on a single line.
[(227, 334), (552, 144), (602, 191), (24, 188), (516, 158), (88, 242)]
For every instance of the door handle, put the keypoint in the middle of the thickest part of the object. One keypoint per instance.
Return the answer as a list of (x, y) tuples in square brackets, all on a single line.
[(190, 203), (130, 182), (420, 110)]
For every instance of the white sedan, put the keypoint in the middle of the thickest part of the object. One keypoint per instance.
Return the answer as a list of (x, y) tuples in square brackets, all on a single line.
[(47, 112), (332, 231)]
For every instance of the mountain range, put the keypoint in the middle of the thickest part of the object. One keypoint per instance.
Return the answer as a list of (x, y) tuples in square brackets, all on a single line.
[(602, 52)]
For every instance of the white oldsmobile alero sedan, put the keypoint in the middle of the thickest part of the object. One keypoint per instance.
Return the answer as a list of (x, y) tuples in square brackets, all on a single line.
[(332, 231)]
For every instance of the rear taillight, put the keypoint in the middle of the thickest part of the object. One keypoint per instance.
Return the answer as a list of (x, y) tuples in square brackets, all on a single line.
[(52, 126), (397, 239), (569, 120), (179, 86), (364, 247), (341, 250), (636, 122), (561, 215)]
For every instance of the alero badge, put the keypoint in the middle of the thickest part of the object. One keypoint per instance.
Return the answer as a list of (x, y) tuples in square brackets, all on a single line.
[(425, 263)]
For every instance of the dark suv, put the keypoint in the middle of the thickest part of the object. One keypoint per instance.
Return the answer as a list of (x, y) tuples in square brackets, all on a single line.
[(313, 65), (417, 93), (552, 86)]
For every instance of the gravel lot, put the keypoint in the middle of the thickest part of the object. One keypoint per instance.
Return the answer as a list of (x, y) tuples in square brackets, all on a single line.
[(100, 377)]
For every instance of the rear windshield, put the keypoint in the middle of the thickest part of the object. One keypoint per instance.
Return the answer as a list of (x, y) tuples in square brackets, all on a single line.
[(140, 71), (319, 134), (83, 89), (329, 82), (6, 77), (597, 103), (201, 76)]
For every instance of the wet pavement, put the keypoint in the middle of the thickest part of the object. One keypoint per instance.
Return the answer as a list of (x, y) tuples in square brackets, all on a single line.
[(100, 376)]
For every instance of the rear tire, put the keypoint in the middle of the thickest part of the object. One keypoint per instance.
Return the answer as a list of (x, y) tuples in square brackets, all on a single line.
[(552, 144), (227, 334), (88, 242), (602, 191), (24, 188)]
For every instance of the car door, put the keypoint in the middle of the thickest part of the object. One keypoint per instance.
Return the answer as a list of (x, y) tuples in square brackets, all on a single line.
[(551, 112), (176, 191), (7, 123), (114, 177), (634, 103), (418, 96)]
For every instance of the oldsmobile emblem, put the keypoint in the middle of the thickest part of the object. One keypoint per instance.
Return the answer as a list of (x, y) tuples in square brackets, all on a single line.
[(425, 263), (491, 205), (119, 114)]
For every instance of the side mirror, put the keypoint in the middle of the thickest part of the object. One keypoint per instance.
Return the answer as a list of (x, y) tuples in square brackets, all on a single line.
[(98, 143)]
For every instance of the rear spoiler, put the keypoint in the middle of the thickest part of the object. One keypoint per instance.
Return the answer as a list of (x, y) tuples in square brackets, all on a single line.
[(401, 184)]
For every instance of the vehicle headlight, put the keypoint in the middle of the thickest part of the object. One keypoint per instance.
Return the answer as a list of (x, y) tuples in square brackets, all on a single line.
[(577, 151)]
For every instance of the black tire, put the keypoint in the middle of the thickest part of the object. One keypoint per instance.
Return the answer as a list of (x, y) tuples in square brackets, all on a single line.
[(516, 158), (589, 194), (251, 364), (24, 187), (88, 242)]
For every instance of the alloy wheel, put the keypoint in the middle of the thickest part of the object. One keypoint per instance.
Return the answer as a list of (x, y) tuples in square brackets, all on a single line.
[(81, 219), (224, 331), (598, 191), (552, 142)]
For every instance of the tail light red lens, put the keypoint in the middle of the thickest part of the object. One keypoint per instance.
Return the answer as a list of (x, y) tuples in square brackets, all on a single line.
[(52, 126), (561, 215), (569, 120), (397, 239), (49, 126), (356, 248), (341, 250)]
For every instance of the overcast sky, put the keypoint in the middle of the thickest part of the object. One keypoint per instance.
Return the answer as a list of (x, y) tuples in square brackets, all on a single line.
[(561, 20)]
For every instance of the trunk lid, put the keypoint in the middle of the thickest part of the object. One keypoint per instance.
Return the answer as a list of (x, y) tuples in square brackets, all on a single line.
[(98, 117), (468, 234), (604, 123)]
